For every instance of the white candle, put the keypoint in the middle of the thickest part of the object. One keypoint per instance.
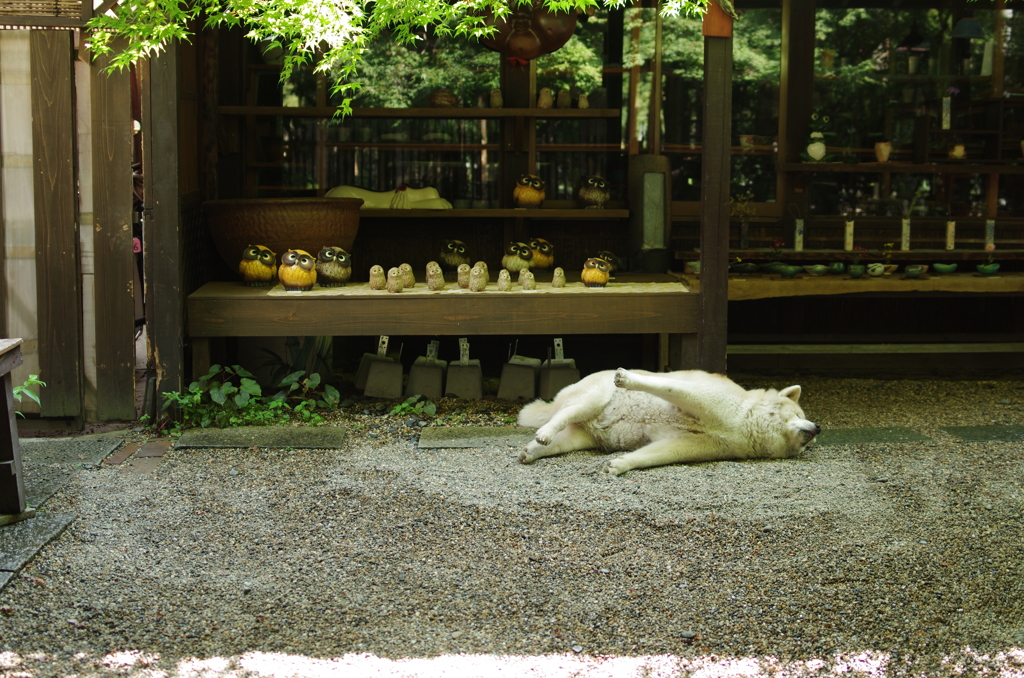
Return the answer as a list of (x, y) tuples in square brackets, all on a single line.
[(848, 237), (950, 234), (905, 235), (990, 232), (798, 235)]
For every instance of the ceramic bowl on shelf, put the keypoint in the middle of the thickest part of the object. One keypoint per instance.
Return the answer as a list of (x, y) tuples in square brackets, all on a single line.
[(837, 268), (944, 268), (988, 269), (876, 269), (816, 269), (746, 267), (913, 271), (281, 224), (789, 270), (890, 268)]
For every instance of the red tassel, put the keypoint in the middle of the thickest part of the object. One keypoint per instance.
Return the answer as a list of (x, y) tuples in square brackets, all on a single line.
[(516, 61)]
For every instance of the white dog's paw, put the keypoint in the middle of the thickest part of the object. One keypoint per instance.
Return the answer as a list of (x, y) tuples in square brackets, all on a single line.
[(614, 467), (525, 458), (543, 436), (622, 377)]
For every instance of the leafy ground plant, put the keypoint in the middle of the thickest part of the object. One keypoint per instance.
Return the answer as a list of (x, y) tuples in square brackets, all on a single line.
[(303, 396), (413, 405), (26, 390)]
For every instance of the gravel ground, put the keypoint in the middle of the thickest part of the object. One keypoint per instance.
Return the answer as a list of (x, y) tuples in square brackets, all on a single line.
[(380, 559)]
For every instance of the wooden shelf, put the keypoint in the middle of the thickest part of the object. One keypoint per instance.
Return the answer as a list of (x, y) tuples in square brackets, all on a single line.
[(559, 213), (952, 167), (461, 113), (940, 255)]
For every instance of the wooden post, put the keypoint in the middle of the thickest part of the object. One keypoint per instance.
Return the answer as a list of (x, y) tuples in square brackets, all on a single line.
[(714, 230), (12, 485), (112, 224), (56, 216), (794, 104)]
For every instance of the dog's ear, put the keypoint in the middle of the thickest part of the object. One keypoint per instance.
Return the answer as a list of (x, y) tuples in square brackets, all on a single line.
[(791, 392)]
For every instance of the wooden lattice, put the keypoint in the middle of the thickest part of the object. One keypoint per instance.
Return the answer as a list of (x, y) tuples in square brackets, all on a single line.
[(71, 9)]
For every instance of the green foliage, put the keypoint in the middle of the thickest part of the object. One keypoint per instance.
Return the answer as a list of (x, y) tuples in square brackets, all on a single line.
[(25, 389), (413, 405), (334, 36), (229, 396), (311, 354)]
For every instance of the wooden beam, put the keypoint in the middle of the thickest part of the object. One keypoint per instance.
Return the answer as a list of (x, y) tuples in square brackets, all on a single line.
[(20, 21), (3, 241), (112, 134), (797, 69), (714, 230), (845, 349), (58, 287)]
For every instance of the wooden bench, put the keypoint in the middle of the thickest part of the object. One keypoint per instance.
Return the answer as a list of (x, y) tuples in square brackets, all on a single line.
[(229, 309), (12, 486)]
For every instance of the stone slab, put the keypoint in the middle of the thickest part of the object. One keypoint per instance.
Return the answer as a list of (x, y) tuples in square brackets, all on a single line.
[(269, 437), (67, 450), (154, 448), (996, 432), (11, 518), (441, 437), (20, 542), (864, 436), (141, 465)]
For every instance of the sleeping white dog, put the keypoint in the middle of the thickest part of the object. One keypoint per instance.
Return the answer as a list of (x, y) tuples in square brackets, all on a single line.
[(675, 417)]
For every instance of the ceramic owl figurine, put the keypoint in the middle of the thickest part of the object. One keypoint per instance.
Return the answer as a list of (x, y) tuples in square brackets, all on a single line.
[(517, 256), (545, 99), (485, 267), (558, 278), (378, 281), (504, 280), (258, 266), (396, 281), (543, 253), (297, 271), (408, 277), (613, 261), (583, 101), (562, 99), (529, 192), (496, 99), (477, 279), (464, 270), (594, 193), (526, 280), (595, 272), (435, 277), (453, 254), (333, 267)]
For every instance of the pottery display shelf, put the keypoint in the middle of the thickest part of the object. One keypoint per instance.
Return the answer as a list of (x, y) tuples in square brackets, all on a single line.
[(631, 304), (766, 286)]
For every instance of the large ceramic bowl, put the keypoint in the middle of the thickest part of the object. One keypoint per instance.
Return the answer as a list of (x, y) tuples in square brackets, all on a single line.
[(281, 224)]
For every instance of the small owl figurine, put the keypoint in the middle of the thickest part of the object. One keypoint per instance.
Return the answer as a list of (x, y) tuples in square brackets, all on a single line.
[(558, 278), (583, 101), (504, 280), (562, 100), (526, 280), (258, 266), (297, 271), (518, 256), (594, 193), (496, 99), (545, 98), (395, 280), (595, 272), (377, 279), (529, 192), (464, 270), (477, 279), (408, 277), (333, 267), (435, 277), (485, 267), (613, 261), (543, 253), (453, 254)]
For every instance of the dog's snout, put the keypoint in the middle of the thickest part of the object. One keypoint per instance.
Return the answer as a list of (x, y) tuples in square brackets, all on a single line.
[(815, 430)]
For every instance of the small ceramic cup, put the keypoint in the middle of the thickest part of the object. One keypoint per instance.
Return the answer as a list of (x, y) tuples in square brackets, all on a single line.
[(876, 269), (913, 271)]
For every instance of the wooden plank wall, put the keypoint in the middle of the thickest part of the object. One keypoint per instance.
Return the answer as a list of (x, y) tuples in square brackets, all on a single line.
[(114, 259), (3, 241), (56, 214)]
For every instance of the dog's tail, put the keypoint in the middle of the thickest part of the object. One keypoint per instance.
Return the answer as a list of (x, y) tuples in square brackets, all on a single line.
[(537, 413)]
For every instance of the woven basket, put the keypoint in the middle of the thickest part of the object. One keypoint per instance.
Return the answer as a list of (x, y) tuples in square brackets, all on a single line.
[(281, 224)]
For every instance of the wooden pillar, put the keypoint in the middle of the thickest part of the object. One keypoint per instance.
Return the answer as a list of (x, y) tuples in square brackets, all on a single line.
[(12, 484), (59, 290), (112, 132), (715, 170), (162, 237), (795, 103)]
